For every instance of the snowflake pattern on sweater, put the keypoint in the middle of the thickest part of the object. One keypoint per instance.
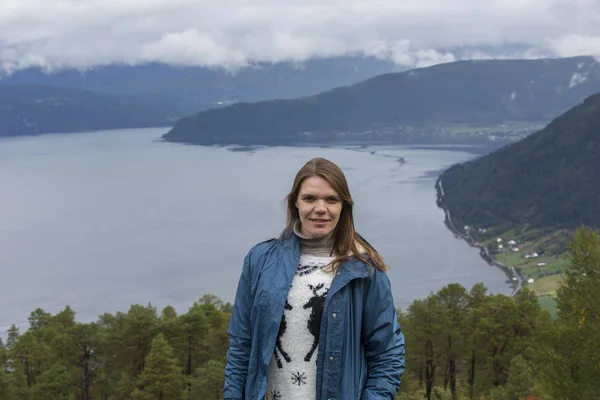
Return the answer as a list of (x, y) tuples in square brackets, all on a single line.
[(293, 368)]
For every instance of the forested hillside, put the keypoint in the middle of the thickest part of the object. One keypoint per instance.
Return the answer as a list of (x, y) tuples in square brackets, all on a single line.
[(549, 180), (388, 108), (31, 109), (460, 344)]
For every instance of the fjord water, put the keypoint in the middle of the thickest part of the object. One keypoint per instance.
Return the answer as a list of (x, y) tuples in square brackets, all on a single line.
[(103, 220)]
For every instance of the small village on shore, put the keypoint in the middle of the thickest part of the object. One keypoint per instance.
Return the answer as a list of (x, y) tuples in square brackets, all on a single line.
[(527, 260)]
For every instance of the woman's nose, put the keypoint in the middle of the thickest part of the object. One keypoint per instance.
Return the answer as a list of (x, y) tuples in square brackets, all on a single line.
[(320, 207)]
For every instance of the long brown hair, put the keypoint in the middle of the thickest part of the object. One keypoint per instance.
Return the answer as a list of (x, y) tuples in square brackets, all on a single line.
[(345, 239)]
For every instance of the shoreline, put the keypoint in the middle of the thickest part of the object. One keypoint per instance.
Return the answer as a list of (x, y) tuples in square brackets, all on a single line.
[(475, 145), (483, 251)]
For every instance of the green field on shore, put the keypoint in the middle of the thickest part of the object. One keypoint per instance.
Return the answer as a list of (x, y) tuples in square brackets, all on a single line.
[(533, 254), (547, 285), (539, 257), (549, 304)]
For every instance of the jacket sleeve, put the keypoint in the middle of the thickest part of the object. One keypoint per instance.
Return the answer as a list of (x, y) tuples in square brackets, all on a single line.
[(383, 340), (240, 338)]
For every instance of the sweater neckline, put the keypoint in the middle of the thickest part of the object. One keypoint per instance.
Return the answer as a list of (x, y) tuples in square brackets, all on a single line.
[(320, 247)]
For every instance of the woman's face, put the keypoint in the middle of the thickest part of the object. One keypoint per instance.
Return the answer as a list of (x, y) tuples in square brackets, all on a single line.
[(319, 207)]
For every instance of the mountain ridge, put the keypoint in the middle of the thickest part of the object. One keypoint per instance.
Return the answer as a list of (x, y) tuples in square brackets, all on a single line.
[(35, 109), (547, 181), (200, 88), (380, 108)]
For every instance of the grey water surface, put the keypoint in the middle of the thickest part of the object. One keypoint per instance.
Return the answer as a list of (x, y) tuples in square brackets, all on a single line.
[(103, 220)]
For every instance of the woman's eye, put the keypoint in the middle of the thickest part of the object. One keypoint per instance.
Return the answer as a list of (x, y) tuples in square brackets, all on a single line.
[(332, 200)]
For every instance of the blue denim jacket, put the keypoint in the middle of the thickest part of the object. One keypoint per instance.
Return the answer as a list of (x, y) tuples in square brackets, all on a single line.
[(361, 345)]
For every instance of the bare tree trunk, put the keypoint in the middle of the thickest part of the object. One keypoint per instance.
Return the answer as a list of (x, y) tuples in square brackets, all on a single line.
[(429, 369), (472, 376), (446, 368), (28, 374), (189, 363), (452, 367)]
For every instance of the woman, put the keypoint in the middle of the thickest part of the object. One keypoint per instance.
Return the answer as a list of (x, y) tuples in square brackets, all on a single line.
[(313, 316)]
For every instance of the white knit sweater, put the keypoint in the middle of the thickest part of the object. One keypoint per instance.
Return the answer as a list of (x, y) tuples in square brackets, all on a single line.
[(293, 368)]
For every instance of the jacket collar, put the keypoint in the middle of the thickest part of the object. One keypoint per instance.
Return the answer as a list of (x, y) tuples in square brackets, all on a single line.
[(352, 268), (290, 242), (356, 268)]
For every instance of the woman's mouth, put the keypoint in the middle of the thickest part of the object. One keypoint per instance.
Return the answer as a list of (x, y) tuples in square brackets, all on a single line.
[(320, 223)]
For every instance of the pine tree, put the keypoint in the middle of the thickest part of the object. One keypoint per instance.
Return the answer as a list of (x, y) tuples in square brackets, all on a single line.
[(520, 380), (498, 393), (168, 313), (83, 357), (453, 298), (18, 386), (125, 341), (500, 331), (476, 300), (124, 389), (211, 300), (208, 382), (38, 319), (3, 355), (161, 378), (53, 384), (32, 355), (572, 369), (426, 328), (194, 327), (13, 337), (139, 327), (5, 390)]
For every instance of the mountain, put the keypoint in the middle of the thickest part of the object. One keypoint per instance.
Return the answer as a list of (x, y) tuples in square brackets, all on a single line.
[(194, 89), (549, 180), (33, 109), (400, 107), (118, 96)]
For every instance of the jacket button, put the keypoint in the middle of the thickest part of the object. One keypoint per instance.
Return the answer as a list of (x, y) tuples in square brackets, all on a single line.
[(331, 358), (333, 315)]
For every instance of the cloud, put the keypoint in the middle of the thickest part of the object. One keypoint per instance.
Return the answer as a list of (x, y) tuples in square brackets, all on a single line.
[(55, 34), (573, 45)]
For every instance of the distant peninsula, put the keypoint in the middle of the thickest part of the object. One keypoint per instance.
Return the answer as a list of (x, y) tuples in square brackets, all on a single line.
[(427, 105), (35, 109)]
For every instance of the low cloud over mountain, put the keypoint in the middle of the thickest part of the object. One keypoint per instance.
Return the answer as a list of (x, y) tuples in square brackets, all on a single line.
[(233, 33)]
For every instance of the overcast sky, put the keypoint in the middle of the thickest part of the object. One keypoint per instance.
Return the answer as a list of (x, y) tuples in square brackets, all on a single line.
[(231, 33)]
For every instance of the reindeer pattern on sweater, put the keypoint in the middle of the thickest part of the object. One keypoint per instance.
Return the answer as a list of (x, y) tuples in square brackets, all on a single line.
[(293, 368)]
